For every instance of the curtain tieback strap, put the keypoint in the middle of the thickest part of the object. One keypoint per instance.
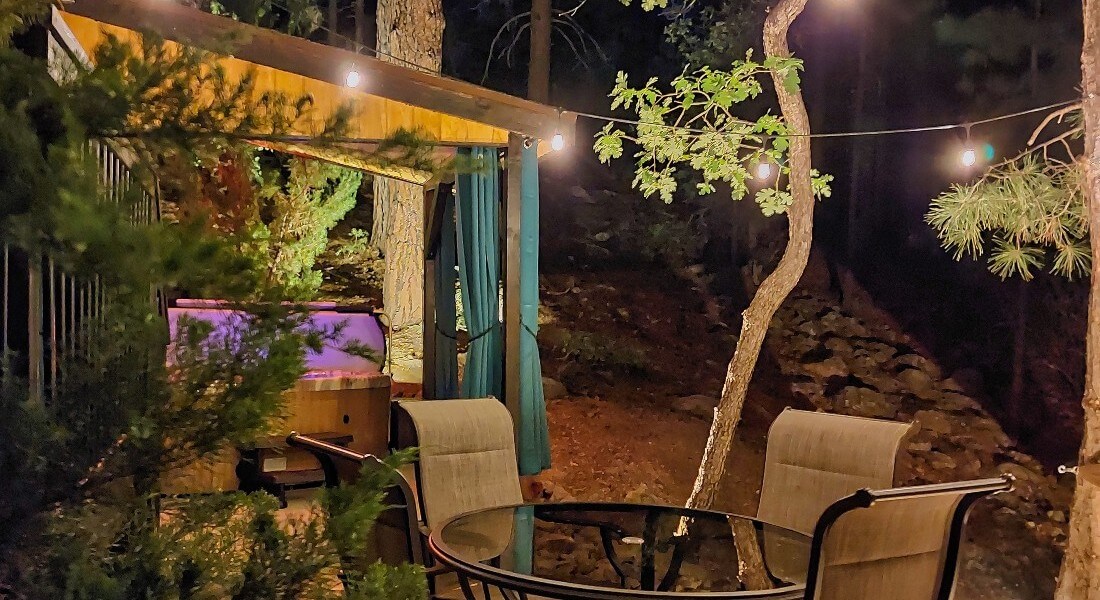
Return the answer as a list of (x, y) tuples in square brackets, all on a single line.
[(452, 336), (487, 331), (473, 338)]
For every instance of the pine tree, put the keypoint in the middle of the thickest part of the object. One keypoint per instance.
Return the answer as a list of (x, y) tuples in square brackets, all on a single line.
[(80, 469)]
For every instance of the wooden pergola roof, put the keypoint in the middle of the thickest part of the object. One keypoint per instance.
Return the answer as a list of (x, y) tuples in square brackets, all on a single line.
[(391, 97)]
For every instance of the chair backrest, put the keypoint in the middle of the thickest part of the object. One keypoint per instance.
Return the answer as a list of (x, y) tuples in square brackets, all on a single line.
[(467, 456), (900, 543), (814, 459)]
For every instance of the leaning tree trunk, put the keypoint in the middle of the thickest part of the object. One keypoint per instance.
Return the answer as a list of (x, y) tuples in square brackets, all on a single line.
[(774, 290), (1080, 578), (409, 31)]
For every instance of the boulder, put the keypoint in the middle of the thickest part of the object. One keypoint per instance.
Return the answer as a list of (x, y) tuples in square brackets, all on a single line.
[(553, 389), (830, 367), (933, 421), (866, 403), (919, 383), (699, 405), (840, 346), (957, 402), (919, 362)]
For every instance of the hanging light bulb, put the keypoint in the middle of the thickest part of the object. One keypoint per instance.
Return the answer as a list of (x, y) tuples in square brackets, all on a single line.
[(969, 157), (764, 170), (353, 79), (558, 141)]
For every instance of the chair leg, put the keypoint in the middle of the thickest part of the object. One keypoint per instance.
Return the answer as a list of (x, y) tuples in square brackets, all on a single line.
[(467, 591)]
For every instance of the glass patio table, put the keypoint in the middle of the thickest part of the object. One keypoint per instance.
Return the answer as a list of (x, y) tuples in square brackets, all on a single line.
[(604, 551)]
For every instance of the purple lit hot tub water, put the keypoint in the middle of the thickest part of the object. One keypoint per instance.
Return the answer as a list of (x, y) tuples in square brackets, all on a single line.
[(361, 327)]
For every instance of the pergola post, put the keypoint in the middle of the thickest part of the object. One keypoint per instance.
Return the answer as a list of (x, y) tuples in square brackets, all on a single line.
[(428, 379), (511, 217)]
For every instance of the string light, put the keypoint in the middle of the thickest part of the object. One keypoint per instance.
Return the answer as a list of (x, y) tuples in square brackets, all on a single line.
[(558, 141), (353, 79), (839, 134), (360, 48), (764, 170), (969, 157)]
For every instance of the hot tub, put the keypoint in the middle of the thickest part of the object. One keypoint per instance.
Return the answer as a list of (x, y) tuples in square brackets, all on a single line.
[(340, 393)]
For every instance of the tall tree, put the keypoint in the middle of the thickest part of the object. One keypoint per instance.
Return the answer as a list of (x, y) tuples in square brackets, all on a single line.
[(410, 32), (80, 466), (778, 285), (538, 74), (1045, 205), (1080, 578), (692, 126)]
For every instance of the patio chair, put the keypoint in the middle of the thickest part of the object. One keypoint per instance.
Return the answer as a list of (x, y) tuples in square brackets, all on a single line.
[(466, 462), (812, 460), (900, 543)]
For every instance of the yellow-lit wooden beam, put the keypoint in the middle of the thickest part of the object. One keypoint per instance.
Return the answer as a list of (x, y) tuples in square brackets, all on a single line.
[(455, 113), (375, 118)]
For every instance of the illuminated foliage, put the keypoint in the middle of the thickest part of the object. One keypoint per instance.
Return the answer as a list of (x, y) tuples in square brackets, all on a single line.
[(692, 125), (1029, 213)]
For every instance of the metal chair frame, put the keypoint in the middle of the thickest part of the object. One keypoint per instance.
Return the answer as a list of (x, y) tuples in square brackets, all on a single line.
[(972, 491)]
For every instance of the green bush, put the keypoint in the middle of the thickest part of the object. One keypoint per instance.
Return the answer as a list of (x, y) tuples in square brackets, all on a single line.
[(597, 349)]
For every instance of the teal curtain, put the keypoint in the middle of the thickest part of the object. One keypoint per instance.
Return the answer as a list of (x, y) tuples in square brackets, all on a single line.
[(534, 438), (523, 541), (478, 206), (446, 345)]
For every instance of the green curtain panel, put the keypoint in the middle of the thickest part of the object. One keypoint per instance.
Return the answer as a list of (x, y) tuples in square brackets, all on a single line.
[(478, 206), (446, 346), (534, 438)]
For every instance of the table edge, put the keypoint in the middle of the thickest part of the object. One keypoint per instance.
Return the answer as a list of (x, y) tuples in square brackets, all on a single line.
[(560, 589)]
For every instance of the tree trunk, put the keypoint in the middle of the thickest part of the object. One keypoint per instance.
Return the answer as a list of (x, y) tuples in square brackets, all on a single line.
[(538, 74), (1080, 578), (1019, 350), (408, 31), (332, 22), (773, 290), (361, 23)]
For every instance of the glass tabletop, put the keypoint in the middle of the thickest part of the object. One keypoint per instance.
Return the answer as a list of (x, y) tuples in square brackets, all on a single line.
[(614, 548)]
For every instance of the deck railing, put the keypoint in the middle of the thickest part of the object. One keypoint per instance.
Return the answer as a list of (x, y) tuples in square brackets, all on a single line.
[(47, 312)]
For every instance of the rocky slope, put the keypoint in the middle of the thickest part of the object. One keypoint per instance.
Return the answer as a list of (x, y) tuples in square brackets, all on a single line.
[(854, 366)]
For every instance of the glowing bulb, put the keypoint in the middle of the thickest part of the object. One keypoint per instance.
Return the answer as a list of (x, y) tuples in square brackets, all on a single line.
[(557, 142), (763, 170), (353, 79), (969, 157)]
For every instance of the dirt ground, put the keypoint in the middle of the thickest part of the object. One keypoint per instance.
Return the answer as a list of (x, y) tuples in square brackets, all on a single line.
[(618, 434)]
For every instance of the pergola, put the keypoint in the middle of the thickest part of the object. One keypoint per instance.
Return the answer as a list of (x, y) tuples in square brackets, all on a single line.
[(458, 116)]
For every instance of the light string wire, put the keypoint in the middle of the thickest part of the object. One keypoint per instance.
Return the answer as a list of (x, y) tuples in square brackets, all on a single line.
[(839, 134), (359, 48)]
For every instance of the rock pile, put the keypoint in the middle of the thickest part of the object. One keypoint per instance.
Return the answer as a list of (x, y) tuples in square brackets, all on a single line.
[(844, 365)]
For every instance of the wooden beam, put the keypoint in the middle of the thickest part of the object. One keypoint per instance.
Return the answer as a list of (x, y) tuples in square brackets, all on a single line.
[(260, 46), (432, 201), (356, 157), (513, 203)]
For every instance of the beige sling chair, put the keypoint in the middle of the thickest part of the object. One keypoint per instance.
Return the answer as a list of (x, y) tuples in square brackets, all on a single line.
[(900, 543), (466, 462), (813, 459)]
